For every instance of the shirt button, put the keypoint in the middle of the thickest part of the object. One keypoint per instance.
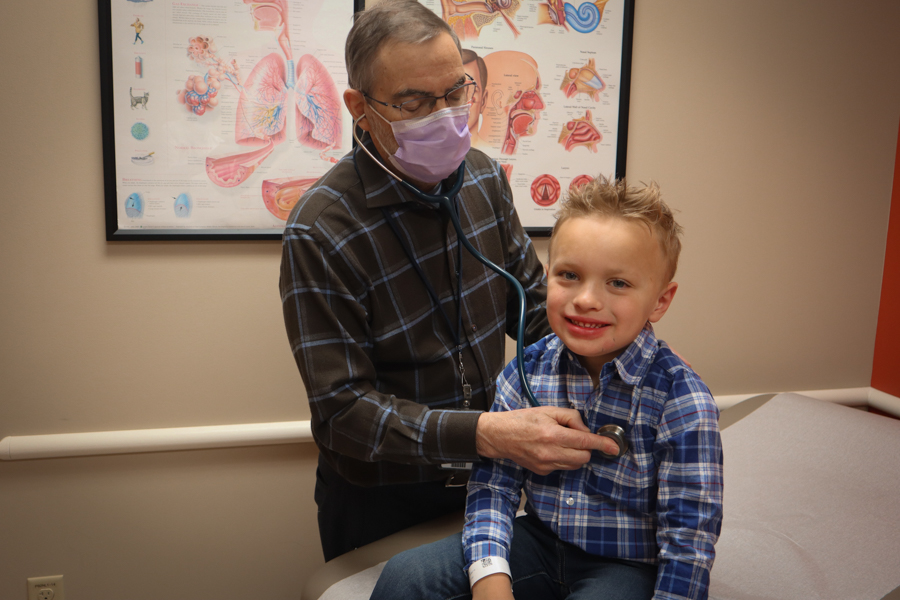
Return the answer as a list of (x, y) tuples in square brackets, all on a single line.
[(474, 327), (570, 501)]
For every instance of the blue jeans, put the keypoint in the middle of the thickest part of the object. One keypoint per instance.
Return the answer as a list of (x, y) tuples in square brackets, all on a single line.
[(543, 568)]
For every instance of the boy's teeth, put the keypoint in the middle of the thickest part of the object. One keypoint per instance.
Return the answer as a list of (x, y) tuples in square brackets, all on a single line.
[(589, 325)]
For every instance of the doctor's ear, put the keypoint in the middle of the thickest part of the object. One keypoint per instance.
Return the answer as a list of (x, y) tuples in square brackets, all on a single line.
[(356, 104)]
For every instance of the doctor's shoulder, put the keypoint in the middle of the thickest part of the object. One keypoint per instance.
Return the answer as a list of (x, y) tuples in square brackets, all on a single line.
[(325, 196)]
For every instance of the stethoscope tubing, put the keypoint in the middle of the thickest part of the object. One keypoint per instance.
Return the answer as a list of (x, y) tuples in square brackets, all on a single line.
[(443, 200)]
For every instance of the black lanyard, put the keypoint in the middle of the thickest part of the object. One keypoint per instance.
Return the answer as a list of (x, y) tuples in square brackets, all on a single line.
[(431, 292), (466, 388), (454, 216)]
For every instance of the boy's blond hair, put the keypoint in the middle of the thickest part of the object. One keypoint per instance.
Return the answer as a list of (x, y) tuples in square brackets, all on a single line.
[(603, 197)]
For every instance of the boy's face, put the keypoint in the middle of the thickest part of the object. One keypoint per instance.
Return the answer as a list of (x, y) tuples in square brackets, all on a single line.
[(606, 278)]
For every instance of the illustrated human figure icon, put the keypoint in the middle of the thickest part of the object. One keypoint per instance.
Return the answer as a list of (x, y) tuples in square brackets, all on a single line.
[(138, 28)]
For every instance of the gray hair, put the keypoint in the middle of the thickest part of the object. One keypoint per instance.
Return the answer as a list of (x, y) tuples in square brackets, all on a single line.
[(404, 21)]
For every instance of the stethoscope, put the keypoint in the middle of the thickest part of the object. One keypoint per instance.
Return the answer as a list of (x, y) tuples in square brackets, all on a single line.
[(443, 201)]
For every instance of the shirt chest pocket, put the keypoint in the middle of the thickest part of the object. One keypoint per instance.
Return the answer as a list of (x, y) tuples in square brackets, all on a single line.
[(627, 483)]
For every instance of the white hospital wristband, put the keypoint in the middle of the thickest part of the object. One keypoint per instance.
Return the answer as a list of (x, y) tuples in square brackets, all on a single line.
[(488, 566)]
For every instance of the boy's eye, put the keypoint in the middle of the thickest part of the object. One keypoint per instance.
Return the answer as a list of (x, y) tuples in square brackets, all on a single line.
[(618, 284), (569, 276)]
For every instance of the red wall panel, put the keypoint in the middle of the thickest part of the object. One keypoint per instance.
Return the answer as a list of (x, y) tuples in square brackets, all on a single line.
[(886, 366)]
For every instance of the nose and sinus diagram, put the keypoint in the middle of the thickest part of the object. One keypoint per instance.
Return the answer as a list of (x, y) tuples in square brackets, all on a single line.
[(277, 90)]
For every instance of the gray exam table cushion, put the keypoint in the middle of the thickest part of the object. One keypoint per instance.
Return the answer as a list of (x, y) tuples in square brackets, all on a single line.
[(812, 498)]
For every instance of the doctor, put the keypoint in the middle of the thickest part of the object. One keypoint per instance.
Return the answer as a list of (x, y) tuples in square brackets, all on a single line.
[(399, 333)]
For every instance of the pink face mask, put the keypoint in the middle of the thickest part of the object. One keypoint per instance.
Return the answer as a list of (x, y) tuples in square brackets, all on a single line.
[(433, 146)]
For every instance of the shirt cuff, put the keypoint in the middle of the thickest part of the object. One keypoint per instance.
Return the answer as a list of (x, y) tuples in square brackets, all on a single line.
[(488, 566), (450, 435)]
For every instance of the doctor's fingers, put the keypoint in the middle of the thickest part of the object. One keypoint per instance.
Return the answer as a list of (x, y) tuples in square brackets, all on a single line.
[(539, 439), (575, 434), (580, 440), (570, 451)]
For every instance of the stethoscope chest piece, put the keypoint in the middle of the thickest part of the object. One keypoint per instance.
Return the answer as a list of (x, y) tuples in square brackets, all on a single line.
[(616, 434)]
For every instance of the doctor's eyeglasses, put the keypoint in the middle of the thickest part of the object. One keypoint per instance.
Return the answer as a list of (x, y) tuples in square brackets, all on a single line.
[(423, 105)]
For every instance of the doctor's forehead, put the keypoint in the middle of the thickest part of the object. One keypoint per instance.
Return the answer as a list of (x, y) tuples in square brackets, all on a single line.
[(434, 66)]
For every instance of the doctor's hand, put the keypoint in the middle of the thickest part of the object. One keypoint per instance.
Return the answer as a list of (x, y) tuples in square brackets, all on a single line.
[(541, 439)]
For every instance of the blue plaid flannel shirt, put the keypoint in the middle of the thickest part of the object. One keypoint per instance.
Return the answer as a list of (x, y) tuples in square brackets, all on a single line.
[(660, 504)]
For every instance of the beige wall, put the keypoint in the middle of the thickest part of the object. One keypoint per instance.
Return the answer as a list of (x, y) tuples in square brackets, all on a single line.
[(771, 126)]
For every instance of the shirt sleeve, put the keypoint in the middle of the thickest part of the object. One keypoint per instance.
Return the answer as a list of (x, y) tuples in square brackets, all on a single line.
[(688, 450), (325, 315), (494, 490), (523, 263)]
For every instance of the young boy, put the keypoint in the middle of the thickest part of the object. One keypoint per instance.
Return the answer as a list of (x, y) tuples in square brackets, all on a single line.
[(634, 527)]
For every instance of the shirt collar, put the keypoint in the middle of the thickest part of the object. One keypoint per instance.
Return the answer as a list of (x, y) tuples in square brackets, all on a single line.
[(632, 364)]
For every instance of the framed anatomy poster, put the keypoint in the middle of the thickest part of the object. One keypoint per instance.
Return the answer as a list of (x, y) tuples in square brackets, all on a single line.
[(218, 114), (553, 84)]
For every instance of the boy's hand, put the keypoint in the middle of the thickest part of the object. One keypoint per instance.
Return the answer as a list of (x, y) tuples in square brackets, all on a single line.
[(541, 439), (493, 587)]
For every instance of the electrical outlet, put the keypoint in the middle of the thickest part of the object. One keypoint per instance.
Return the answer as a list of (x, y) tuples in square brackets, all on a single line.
[(46, 588)]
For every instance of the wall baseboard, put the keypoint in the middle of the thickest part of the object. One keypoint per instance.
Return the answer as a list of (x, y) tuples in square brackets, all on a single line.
[(64, 445)]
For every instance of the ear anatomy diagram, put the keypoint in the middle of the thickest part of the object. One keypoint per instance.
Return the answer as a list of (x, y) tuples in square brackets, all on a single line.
[(584, 80), (275, 84), (584, 19), (545, 190), (468, 18), (134, 206), (580, 181), (513, 105), (183, 206), (580, 132), (280, 195)]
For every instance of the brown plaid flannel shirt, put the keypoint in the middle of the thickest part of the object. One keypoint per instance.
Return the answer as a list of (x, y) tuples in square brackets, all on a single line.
[(379, 362)]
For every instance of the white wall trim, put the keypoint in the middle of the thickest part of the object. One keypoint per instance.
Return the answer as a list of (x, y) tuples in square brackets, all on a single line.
[(292, 432), (153, 440)]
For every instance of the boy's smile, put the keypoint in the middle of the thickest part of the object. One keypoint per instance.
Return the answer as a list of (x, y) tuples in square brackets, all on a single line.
[(605, 280)]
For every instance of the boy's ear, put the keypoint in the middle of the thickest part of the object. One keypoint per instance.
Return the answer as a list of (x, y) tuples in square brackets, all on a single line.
[(663, 302)]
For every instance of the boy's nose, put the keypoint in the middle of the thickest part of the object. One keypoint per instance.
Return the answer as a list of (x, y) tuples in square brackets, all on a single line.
[(589, 297)]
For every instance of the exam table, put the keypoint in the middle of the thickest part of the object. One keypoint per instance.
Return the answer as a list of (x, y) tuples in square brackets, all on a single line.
[(811, 509)]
